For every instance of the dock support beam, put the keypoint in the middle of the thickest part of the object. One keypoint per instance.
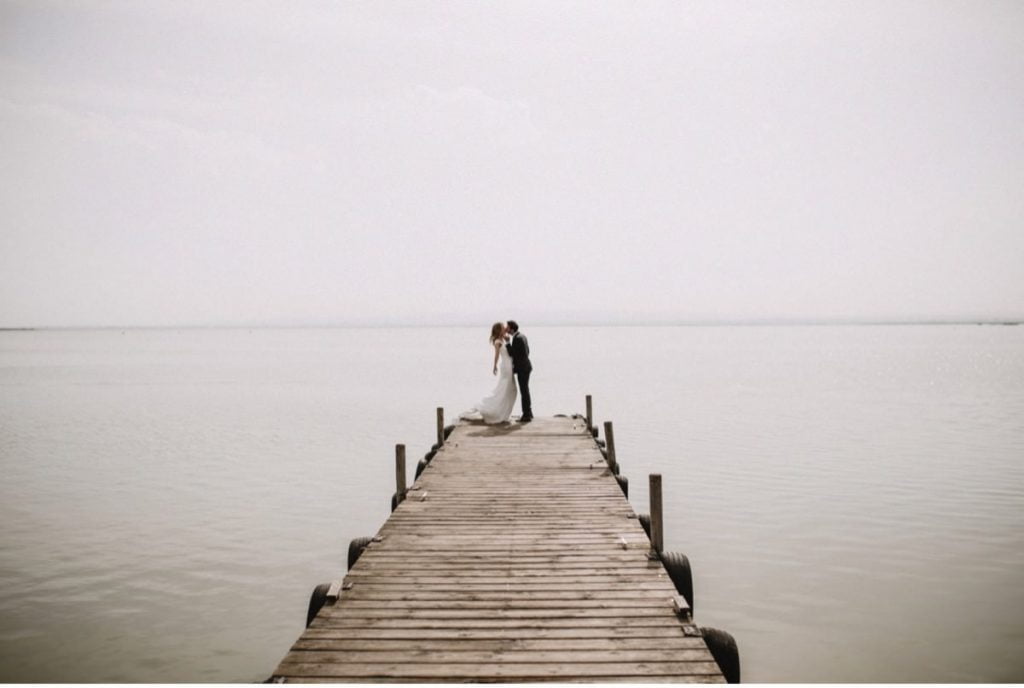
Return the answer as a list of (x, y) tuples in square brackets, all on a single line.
[(657, 527), (399, 473), (440, 426), (590, 412)]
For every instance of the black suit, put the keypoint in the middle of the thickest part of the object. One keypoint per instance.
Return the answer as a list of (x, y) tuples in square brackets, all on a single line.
[(521, 366)]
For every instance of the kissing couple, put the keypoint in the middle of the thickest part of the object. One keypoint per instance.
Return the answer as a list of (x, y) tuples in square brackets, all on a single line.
[(511, 358)]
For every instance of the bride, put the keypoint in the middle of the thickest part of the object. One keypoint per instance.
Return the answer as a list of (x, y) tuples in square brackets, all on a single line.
[(498, 406)]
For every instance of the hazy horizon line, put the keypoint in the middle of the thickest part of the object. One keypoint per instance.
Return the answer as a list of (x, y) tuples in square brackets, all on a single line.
[(748, 322)]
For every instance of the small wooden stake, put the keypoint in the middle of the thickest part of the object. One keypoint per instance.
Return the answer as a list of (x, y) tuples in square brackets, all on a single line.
[(609, 444), (657, 529), (400, 472), (440, 426), (590, 412)]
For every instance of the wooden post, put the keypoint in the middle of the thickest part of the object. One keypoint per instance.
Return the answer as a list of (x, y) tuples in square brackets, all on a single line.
[(590, 412), (609, 444), (657, 526), (440, 426), (400, 472)]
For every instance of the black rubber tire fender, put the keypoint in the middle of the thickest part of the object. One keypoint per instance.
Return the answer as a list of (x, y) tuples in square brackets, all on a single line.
[(645, 523), (355, 550), (316, 601), (678, 568), (725, 651)]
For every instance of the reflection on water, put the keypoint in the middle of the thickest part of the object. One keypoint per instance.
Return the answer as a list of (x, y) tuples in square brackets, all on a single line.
[(852, 498)]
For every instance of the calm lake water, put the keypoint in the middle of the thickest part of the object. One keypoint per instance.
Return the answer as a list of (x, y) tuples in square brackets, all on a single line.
[(851, 498)]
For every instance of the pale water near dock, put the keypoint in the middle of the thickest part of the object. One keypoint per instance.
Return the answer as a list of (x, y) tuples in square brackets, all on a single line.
[(851, 498)]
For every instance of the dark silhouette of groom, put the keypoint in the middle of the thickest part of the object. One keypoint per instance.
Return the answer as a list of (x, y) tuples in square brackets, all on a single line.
[(519, 349)]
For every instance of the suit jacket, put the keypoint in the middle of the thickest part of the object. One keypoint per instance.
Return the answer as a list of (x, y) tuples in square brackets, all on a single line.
[(519, 349)]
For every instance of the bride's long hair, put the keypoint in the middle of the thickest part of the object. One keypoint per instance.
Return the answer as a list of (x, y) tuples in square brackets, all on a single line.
[(496, 330)]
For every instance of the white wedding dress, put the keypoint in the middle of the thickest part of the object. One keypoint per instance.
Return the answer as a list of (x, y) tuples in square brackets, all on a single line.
[(497, 408)]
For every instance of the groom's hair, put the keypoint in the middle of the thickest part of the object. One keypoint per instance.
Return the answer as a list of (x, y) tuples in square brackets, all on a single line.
[(513, 325)]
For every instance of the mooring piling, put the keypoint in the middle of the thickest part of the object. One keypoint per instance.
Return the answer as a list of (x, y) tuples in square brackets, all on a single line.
[(657, 526), (400, 473), (609, 440)]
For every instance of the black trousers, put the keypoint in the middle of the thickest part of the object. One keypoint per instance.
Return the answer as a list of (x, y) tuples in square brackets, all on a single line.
[(524, 392)]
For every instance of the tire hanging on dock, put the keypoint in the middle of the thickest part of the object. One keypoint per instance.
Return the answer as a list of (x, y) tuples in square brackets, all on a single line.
[(355, 550), (421, 466), (678, 568), (723, 648), (317, 601), (645, 523)]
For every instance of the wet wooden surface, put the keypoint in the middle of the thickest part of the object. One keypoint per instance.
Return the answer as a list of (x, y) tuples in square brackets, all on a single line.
[(515, 557)]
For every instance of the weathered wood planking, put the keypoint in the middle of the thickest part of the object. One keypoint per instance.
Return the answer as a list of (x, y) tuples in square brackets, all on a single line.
[(514, 557)]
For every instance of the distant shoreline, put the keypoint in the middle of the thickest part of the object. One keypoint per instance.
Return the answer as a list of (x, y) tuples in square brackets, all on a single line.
[(382, 326)]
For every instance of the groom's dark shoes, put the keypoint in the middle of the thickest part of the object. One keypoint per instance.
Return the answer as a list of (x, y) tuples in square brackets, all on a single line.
[(526, 419)]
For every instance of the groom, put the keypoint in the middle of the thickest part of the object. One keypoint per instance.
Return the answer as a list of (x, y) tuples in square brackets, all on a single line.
[(519, 349)]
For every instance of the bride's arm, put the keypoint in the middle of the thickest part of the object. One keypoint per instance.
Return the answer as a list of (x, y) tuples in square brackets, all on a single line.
[(497, 348)]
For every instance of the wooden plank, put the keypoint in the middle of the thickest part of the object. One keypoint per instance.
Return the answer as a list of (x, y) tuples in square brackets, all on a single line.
[(539, 587), (510, 575), (566, 537), (520, 671), (554, 547), (614, 633), (357, 596), (413, 578), (450, 656), (534, 679), (342, 621), (487, 565), (452, 605), (318, 641), (507, 563), (493, 613)]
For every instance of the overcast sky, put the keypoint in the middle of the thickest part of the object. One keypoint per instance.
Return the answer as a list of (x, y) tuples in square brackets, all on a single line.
[(174, 163)]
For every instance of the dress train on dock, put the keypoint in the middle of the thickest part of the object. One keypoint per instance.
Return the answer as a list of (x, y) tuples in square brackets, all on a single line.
[(497, 408)]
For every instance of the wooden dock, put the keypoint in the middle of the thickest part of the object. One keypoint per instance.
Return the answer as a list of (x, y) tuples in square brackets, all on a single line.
[(513, 557)]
